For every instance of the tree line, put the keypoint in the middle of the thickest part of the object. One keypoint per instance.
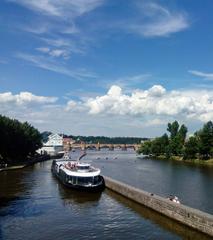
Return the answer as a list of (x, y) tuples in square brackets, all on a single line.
[(108, 140), (19, 141), (99, 139), (198, 146)]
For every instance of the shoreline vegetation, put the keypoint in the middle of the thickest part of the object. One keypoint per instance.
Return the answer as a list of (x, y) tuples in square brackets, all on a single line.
[(28, 162), (200, 162), (19, 143), (197, 149)]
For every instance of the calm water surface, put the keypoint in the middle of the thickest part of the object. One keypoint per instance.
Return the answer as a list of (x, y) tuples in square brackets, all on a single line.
[(34, 205)]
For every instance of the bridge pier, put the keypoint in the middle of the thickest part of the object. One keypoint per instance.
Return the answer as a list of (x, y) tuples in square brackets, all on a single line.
[(123, 147), (98, 147), (111, 147), (83, 146)]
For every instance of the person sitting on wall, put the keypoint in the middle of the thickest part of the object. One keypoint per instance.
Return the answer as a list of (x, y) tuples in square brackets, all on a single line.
[(174, 199)]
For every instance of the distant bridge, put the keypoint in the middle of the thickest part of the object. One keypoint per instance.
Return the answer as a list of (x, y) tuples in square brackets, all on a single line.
[(99, 146)]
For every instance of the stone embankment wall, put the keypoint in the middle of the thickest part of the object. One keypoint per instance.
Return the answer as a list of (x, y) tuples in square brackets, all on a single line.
[(193, 218)]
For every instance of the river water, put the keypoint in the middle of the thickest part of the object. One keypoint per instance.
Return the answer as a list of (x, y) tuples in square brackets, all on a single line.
[(34, 205)]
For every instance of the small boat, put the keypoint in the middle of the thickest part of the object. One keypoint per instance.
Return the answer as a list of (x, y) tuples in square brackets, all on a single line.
[(78, 175)]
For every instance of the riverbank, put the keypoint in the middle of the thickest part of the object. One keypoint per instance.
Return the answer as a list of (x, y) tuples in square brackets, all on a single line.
[(198, 162), (26, 163)]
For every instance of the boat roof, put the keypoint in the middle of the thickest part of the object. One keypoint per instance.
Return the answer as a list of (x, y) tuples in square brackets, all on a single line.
[(83, 164), (76, 173), (90, 172)]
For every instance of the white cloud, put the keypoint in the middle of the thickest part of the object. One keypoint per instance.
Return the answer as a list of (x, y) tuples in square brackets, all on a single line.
[(141, 113), (60, 8), (155, 122), (40, 28), (207, 76), (58, 42), (48, 64), (70, 105), (25, 98), (155, 101), (59, 53), (54, 52), (43, 49), (61, 47), (58, 18), (66, 44), (156, 21), (128, 81)]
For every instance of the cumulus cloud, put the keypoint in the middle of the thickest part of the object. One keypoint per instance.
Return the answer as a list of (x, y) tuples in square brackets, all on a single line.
[(25, 98), (142, 112), (155, 101)]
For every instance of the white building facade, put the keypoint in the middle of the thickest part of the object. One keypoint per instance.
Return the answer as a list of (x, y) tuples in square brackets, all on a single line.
[(53, 146)]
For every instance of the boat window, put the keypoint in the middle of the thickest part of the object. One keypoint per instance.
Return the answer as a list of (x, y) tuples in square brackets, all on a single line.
[(74, 180), (96, 179), (69, 179), (85, 180), (83, 167)]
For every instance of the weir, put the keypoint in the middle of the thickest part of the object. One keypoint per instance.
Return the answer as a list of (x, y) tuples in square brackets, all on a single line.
[(188, 216)]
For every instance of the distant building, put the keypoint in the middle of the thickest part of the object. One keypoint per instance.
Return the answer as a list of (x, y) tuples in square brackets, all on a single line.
[(53, 146), (67, 143)]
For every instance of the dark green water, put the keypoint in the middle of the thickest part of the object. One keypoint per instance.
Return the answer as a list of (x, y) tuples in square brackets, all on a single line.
[(34, 205)]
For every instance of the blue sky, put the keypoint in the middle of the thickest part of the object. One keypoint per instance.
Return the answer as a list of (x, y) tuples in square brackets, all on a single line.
[(104, 67)]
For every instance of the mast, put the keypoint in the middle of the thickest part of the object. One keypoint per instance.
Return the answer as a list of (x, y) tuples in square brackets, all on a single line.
[(81, 156)]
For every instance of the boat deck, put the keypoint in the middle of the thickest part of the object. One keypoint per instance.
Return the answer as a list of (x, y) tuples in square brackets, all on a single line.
[(76, 168)]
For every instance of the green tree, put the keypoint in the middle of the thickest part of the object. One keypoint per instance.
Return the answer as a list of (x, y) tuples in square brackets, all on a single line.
[(191, 148), (173, 129), (177, 138), (205, 140), (159, 145), (145, 148), (18, 140), (182, 133)]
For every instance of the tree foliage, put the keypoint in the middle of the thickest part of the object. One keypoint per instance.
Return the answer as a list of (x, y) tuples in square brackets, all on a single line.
[(198, 146), (205, 140), (177, 138), (191, 148), (18, 140)]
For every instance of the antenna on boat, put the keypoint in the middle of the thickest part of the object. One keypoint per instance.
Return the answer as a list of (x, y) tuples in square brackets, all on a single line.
[(82, 155)]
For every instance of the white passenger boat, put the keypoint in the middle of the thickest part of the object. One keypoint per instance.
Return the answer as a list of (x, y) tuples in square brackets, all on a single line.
[(78, 175)]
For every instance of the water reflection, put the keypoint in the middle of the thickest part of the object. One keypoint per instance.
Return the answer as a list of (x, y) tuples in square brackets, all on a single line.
[(12, 187), (72, 196)]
